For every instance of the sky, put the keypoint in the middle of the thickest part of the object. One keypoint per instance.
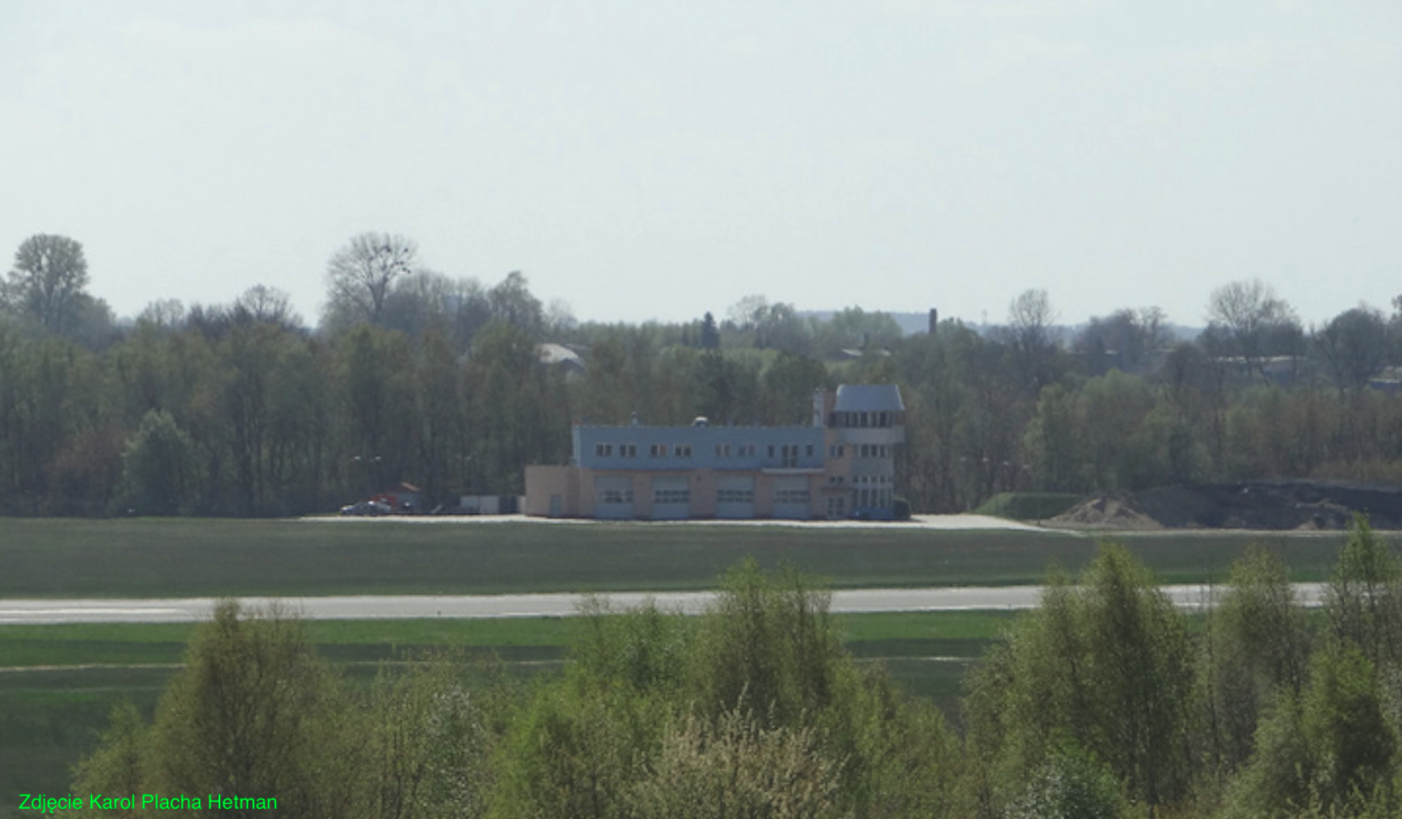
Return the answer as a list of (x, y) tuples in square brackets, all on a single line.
[(656, 160)]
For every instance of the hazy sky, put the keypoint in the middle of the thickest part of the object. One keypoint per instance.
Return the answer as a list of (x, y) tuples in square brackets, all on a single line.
[(659, 159)]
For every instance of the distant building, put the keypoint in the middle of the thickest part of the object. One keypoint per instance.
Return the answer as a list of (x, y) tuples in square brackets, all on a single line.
[(402, 499), (841, 466)]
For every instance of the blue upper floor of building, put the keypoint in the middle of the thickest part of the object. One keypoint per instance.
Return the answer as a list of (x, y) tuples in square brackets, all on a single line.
[(698, 447)]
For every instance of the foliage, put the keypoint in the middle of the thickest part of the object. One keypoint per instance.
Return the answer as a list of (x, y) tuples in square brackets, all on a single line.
[(1105, 665), (735, 767), (441, 379), (1365, 596), (1071, 784), (1099, 704), (157, 466), (1252, 652)]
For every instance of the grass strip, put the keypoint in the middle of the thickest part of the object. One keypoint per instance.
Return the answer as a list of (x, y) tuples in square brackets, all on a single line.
[(153, 558)]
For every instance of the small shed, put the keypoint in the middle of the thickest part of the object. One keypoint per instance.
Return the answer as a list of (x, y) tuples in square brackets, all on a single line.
[(404, 499)]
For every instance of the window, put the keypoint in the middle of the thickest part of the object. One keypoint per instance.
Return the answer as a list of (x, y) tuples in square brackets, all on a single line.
[(771, 450), (603, 450), (682, 450), (682, 495), (791, 495), (722, 450), (615, 495), (749, 450), (724, 495), (808, 451), (628, 451), (657, 451)]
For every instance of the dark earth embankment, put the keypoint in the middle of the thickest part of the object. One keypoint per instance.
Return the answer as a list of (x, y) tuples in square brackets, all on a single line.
[(1264, 505)]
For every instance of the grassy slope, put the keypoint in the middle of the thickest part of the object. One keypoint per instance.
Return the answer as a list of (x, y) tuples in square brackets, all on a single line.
[(200, 558)]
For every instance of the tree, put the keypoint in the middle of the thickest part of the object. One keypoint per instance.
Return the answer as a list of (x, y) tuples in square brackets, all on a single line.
[(1105, 666), (1253, 652), (1329, 751), (254, 712), (1353, 345), (48, 281), (1030, 318), (360, 274), (156, 466), (1254, 322), (261, 304), (710, 335), (1124, 339), (513, 303), (1364, 600)]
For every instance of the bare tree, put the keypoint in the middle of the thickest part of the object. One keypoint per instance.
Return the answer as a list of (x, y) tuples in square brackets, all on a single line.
[(1030, 318), (262, 304), (48, 281), (359, 275), (1256, 322), (163, 314)]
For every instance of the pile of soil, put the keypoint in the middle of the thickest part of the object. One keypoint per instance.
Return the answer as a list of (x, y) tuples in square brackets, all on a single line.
[(1267, 505)]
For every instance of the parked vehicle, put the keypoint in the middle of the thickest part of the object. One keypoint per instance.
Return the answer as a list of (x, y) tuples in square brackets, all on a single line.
[(366, 509)]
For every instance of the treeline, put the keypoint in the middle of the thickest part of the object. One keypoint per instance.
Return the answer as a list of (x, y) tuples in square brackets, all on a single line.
[(1106, 702), (412, 375)]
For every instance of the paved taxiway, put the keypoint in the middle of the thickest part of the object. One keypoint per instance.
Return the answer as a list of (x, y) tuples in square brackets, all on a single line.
[(182, 610)]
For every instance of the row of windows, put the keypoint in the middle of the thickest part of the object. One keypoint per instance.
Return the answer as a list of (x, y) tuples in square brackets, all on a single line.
[(789, 452), (861, 451), (625, 496), (875, 497), (863, 419), (863, 497), (879, 479), (654, 451)]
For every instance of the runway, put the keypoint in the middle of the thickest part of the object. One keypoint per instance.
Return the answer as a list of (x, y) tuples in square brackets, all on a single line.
[(193, 609)]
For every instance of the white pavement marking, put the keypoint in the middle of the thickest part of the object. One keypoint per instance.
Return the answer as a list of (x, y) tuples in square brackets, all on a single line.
[(844, 601)]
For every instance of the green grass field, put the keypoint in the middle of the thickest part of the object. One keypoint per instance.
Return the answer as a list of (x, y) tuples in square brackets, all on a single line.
[(209, 558), (59, 683)]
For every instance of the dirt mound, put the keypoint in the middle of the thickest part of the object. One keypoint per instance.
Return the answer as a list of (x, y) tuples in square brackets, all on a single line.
[(1105, 513), (1267, 505)]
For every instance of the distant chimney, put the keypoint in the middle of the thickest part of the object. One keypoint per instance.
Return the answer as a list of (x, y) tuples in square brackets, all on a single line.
[(934, 320)]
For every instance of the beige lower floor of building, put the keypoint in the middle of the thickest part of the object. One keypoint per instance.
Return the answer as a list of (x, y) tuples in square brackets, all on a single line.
[(575, 492)]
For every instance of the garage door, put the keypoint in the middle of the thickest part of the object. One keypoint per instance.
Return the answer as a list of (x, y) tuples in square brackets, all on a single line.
[(791, 498), (613, 497), (671, 498), (735, 496)]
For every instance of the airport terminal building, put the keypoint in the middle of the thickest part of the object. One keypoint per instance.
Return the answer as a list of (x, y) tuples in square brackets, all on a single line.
[(840, 466)]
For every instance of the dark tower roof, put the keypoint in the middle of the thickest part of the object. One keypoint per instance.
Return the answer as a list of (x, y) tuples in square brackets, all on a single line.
[(868, 398)]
